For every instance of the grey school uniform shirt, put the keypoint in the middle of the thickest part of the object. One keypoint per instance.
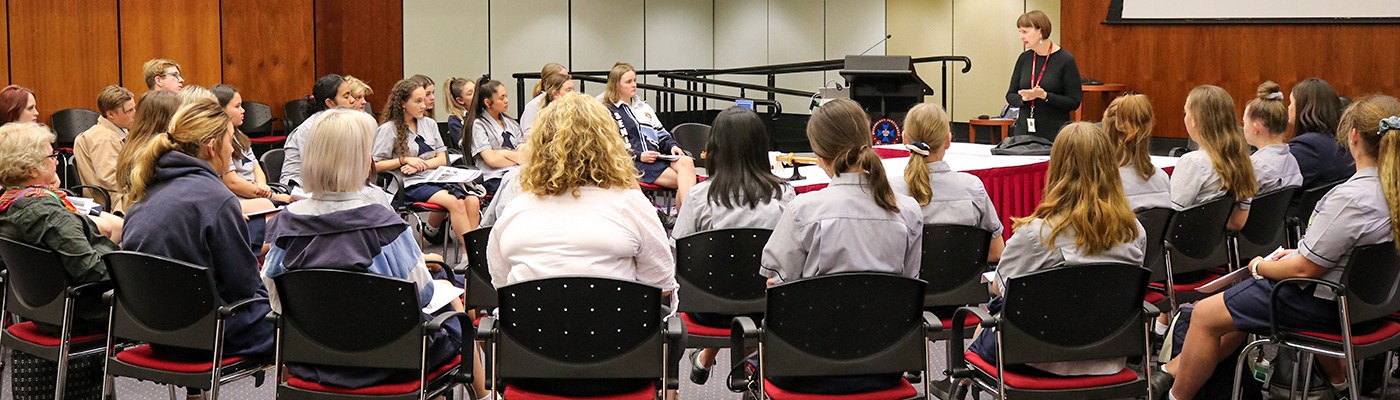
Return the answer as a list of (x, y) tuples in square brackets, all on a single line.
[(489, 134), (1195, 182), (291, 161), (1275, 168), (1155, 192), (841, 229), (1027, 252), (698, 214), (385, 135), (1352, 214), (958, 199)]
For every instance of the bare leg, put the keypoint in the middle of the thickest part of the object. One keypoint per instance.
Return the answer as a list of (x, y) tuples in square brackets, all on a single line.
[(1335, 369), (680, 176), (1209, 341), (707, 358)]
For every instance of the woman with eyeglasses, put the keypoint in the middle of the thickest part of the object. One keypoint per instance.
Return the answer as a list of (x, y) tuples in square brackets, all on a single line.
[(1045, 84)]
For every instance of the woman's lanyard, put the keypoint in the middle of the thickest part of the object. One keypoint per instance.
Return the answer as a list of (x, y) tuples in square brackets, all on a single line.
[(1035, 80)]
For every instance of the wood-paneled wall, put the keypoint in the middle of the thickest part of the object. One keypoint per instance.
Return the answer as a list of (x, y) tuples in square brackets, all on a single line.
[(272, 50), (1166, 61)]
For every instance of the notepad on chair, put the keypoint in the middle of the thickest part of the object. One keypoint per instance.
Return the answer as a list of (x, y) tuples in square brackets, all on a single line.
[(443, 293)]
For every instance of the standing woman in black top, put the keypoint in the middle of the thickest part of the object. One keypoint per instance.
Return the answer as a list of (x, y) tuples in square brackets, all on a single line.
[(1045, 84)]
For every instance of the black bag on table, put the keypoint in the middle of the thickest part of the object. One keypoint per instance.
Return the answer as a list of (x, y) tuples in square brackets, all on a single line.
[(1023, 145)]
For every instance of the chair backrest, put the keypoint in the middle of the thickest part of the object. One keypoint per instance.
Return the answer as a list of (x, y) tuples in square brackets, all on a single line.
[(69, 123), (296, 111), (1156, 221), (1372, 279), (954, 258), (68, 172), (1307, 202), (844, 324), (351, 319), (718, 271), (608, 328), (692, 137), (257, 119), (37, 286), (1264, 230), (1073, 313), (271, 163), (163, 300), (480, 292), (1197, 235)]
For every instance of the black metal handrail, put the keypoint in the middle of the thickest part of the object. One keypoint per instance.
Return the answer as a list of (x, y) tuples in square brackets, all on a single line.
[(774, 107)]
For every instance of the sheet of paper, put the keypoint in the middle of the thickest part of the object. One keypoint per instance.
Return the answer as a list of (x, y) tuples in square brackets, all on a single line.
[(1225, 281), (989, 276), (443, 293), (452, 158), (257, 213), (668, 157)]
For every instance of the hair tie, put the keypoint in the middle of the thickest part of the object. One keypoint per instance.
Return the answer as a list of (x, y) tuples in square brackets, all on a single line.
[(170, 136), (1389, 124), (1275, 96), (919, 148)]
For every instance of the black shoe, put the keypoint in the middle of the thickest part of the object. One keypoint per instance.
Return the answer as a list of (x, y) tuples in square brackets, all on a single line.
[(667, 221), (912, 376), (437, 237), (697, 374), (1161, 382)]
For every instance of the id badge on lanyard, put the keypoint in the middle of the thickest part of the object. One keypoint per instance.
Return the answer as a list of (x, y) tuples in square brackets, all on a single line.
[(1035, 82)]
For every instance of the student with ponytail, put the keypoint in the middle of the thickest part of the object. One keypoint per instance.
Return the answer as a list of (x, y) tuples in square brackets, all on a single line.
[(1084, 218), (184, 211), (496, 139), (330, 91), (1221, 167), (857, 223), (532, 108), (1361, 211), (460, 92), (946, 196), (555, 86), (1128, 122), (1266, 127)]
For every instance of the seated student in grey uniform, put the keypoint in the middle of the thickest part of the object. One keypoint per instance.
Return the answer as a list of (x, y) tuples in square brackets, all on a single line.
[(459, 92), (329, 92), (946, 196), (184, 211), (554, 86), (1365, 210), (246, 177), (1221, 167), (495, 136), (337, 228), (1266, 128), (408, 145), (741, 193), (1128, 123), (532, 108), (855, 224), (1083, 219)]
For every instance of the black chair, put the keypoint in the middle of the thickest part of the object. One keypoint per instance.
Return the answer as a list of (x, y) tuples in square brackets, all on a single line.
[(838, 325), (609, 329), (1301, 213), (954, 258), (1195, 243), (257, 124), (692, 138), (38, 290), (73, 182), (480, 293), (718, 273), (160, 300), (1104, 318), (1370, 291), (359, 319), (271, 163), (69, 123), (295, 112), (1156, 221), (1264, 231)]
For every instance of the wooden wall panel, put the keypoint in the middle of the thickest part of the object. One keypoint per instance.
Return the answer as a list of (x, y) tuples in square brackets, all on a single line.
[(268, 49), (65, 50), (184, 31), (364, 39), (1166, 61), (5, 48)]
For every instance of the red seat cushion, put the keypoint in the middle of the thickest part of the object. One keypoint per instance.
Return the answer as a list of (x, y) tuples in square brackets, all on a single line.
[(29, 332), (903, 391), (1186, 287), (142, 356), (645, 185), (1044, 383), (380, 390), (1390, 329), (515, 393), (693, 328), (1153, 297), (268, 139), (971, 320), (429, 206)]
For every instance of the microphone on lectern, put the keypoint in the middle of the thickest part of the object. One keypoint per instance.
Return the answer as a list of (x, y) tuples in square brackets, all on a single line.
[(872, 47)]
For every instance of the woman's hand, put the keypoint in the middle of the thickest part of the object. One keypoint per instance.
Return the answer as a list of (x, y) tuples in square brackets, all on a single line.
[(263, 189), (676, 151), (1026, 94), (649, 156), (1038, 92), (408, 169), (416, 162)]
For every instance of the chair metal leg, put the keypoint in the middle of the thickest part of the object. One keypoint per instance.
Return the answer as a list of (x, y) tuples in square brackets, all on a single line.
[(1385, 374), (1307, 374), (172, 391), (1239, 370), (1293, 384), (65, 341)]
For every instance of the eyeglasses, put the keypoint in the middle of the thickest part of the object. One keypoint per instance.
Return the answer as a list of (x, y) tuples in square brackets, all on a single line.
[(175, 74), (55, 155)]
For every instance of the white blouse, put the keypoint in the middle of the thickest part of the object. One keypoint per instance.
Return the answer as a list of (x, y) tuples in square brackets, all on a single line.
[(958, 198), (1155, 192)]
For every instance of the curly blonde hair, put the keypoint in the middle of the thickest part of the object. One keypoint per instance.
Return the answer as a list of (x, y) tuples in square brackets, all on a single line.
[(22, 149), (574, 144)]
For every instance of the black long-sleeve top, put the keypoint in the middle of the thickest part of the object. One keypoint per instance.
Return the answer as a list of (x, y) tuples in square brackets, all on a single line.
[(1062, 90)]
